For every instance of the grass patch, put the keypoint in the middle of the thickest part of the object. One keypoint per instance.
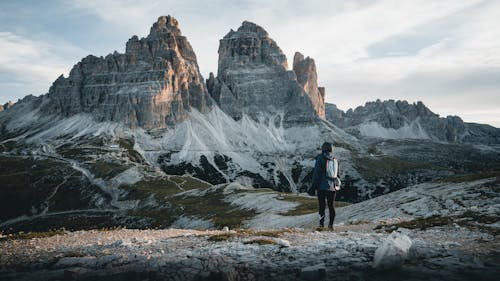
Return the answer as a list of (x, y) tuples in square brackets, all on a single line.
[(374, 168), (222, 237), (189, 182), (472, 177), (307, 205), (469, 219), (130, 152), (269, 233), (261, 241), (31, 235), (73, 254), (213, 207), (106, 170)]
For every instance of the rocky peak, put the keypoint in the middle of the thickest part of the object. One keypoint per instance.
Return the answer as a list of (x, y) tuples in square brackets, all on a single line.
[(6, 106), (153, 85), (165, 24), (249, 46), (305, 70), (253, 79)]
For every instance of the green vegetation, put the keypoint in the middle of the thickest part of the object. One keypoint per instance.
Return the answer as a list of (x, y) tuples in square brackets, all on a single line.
[(31, 235), (212, 206), (28, 184), (261, 241), (469, 219), (222, 237), (130, 152), (106, 170), (245, 233), (375, 168), (472, 177)]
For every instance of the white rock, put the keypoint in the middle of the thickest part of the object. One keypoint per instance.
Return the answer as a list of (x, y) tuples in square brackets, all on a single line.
[(393, 251), (282, 242)]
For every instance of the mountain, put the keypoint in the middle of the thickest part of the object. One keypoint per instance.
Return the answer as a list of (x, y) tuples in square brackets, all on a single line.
[(152, 85), (399, 119), (251, 66), (131, 139)]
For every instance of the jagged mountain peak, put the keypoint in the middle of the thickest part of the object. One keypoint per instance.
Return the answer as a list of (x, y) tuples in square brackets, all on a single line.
[(166, 24), (153, 85), (253, 79)]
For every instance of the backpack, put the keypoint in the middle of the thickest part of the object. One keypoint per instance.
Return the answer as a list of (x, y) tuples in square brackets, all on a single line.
[(332, 174)]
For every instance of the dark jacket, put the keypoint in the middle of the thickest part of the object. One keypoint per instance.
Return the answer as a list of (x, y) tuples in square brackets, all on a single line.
[(319, 174)]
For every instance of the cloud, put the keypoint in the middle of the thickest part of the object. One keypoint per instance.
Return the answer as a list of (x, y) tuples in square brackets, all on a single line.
[(32, 65), (426, 50)]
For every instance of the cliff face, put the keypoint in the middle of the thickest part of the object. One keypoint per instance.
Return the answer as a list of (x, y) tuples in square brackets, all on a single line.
[(305, 69), (152, 85), (253, 79)]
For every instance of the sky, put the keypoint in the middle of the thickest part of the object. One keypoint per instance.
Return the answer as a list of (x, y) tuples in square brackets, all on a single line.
[(443, 53)]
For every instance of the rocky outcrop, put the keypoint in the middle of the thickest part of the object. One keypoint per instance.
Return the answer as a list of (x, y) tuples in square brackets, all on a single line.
[(305, 69), (153, 85), (6, 106), (253, 79), (416, 119)]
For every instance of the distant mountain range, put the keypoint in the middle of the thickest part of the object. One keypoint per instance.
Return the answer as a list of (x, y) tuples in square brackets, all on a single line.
[(399, 119), (121, 139)]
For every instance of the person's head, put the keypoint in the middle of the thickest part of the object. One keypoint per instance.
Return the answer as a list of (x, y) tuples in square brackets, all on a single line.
[(327, 147)]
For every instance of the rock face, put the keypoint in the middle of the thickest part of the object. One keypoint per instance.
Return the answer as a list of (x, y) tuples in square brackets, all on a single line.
[(305, 69), (6, 106), (152, 85), (391, 119), (253, 79)]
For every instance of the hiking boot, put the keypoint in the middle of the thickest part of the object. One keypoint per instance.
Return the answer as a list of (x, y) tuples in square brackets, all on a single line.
[(330, 227)]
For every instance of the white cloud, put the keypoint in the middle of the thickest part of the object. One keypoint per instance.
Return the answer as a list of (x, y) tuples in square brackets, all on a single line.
[(455, 42), (32, 65)]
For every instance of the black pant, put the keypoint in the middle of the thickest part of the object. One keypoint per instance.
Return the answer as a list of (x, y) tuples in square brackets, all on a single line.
[(330, 198)]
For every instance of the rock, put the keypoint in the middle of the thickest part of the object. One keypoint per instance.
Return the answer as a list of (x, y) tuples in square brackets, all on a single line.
[(305, 69), (410, 121), (392, 252), (225, 229), (6, 106), (74, 273), (314, 272), (253, 79), (282, 242), (153, 85)]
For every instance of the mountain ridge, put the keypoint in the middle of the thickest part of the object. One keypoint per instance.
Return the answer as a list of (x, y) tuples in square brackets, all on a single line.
[(394, 119)]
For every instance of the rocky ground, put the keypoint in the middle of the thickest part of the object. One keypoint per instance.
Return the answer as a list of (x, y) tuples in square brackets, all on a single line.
[(439, 253)]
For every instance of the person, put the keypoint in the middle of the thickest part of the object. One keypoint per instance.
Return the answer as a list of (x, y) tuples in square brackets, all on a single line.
[(324, 184)]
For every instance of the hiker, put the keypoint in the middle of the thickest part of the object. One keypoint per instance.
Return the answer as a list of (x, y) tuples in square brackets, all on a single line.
[(326, 182)]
